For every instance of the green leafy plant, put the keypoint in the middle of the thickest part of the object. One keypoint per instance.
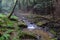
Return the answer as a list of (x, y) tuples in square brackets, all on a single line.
[(2, 15), (6, 35)]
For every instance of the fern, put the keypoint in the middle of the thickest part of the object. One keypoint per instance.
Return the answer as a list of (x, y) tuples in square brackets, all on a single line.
[(5, 37), (8, 31), (1, 38)]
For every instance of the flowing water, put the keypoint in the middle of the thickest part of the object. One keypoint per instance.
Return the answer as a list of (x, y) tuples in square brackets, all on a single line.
[(32, 26)]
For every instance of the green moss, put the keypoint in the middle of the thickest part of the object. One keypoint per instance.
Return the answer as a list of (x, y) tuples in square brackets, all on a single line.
[(54, 39), (23, 34), (5, 22), (53, 32), (40, 23), (14, 17), (22, 24), (2, 15)]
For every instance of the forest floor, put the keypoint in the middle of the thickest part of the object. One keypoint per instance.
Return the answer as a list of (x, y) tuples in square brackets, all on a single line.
[(45, 35), (21, 14)]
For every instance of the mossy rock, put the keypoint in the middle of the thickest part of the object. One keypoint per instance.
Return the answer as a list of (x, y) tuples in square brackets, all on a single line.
[(21, 24), (53, 32), (40, 23), (14, 18), (54, 39), (24, 35), (6, 22)]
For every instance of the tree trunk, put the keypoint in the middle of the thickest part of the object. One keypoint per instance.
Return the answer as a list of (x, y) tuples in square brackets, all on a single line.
[(13, 9), (0, 6), (19, 4)]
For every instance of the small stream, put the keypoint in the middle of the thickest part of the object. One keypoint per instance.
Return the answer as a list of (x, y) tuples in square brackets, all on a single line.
[(32, 26)]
